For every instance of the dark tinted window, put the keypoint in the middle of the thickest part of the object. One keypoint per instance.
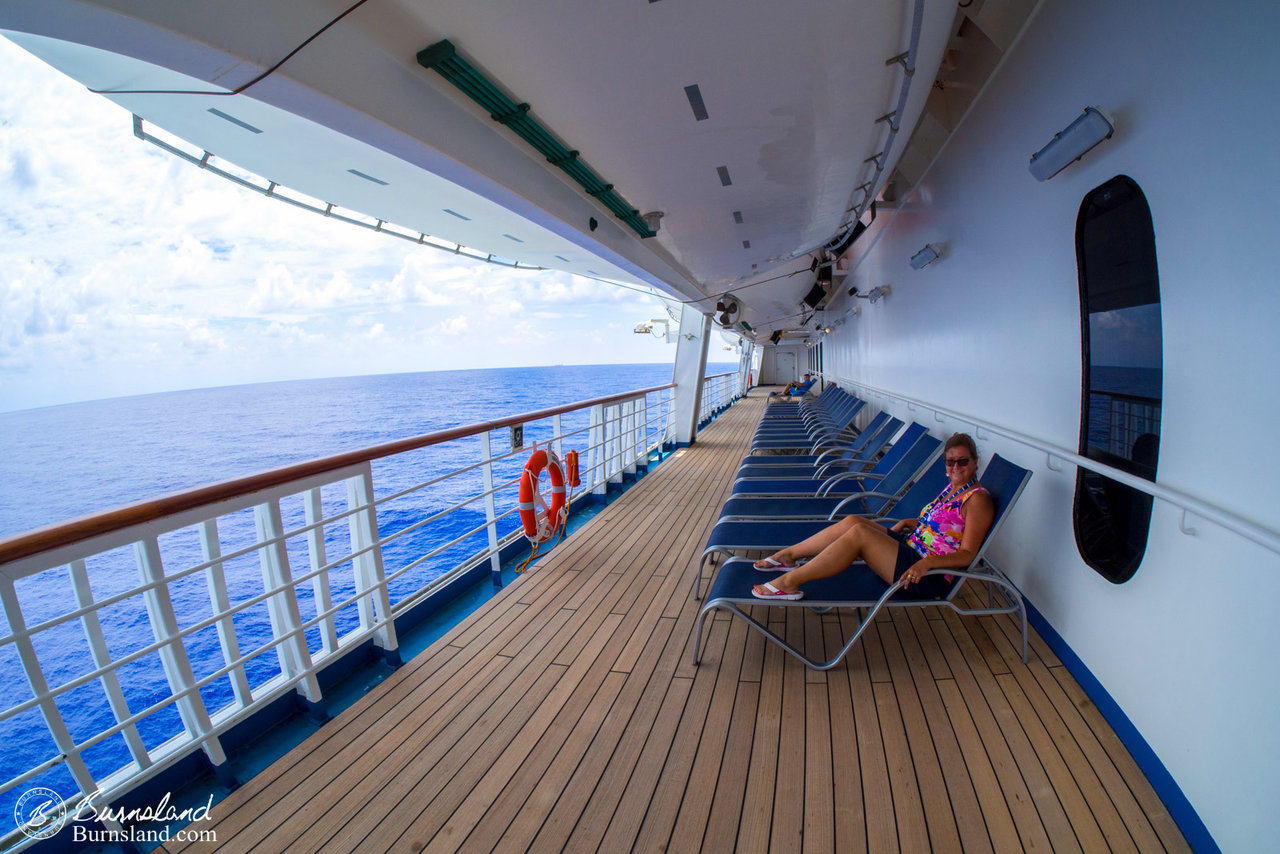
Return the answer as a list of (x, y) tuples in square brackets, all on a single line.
[(1122, 372)]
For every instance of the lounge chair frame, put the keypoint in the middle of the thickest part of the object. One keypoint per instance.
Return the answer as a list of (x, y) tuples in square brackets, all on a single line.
[(731, 589), (866, 610)]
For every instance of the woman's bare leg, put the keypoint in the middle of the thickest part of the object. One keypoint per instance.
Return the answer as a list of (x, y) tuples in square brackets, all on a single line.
[(819, 541), (868, 543)]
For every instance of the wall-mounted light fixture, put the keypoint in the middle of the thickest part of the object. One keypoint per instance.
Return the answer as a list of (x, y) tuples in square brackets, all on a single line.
[(653, 219), (874, 295), (924, 257), (658, 327), (1070, 144)]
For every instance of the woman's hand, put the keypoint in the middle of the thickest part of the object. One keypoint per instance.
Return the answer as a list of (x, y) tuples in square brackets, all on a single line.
[(913, 573), (903, 525)]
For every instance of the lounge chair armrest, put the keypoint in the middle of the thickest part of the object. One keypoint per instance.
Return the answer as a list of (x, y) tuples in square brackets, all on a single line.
[(834, 479), (857, 496)]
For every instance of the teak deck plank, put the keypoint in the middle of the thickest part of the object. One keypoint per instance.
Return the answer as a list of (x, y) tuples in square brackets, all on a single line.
[(566, 715)]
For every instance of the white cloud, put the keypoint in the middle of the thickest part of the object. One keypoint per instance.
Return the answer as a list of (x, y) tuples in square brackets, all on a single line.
[(454, 326)]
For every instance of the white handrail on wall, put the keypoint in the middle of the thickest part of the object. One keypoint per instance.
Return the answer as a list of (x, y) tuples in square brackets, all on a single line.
[(1190, 505), (303, 551)]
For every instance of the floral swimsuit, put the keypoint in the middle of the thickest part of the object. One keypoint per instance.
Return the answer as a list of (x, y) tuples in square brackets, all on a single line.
[(941, 526)]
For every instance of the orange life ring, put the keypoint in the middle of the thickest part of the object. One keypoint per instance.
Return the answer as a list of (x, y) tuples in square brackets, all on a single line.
[(541, 519)]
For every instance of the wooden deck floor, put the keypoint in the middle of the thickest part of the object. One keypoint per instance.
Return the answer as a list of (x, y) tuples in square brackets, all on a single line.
[(567, 715)]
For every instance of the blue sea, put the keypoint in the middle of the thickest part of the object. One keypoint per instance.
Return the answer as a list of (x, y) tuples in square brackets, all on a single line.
[(62, 462)]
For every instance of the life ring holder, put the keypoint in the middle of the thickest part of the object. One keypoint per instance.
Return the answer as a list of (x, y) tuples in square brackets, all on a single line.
[(542, 518)]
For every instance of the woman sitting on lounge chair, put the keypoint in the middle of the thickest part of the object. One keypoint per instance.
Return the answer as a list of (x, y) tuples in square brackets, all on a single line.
[(947, 534)]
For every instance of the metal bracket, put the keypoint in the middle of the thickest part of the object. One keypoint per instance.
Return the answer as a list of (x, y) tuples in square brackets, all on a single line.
[(902, 60)]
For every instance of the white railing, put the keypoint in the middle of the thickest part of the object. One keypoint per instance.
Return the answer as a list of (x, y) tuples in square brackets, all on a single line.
[(718, 392), (1190, 506), (141, 635)]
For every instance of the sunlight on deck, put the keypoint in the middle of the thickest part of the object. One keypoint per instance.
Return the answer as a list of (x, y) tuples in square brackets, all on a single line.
[(566, 714)]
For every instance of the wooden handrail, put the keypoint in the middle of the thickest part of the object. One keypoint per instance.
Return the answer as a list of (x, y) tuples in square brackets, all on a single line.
[(84, 528)]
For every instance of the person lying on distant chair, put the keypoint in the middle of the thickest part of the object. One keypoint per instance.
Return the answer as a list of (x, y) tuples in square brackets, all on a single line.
[(796, 388), (947, 534)]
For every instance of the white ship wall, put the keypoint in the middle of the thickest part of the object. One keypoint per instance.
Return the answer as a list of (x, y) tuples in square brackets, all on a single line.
[(1187, 647)]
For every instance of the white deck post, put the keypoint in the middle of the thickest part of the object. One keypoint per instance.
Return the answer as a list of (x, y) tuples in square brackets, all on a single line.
[(220, 600), (62, 739), (102, 661), (490, 508), (599, 481), (173, 655), (744, 366), (630, 454), (691, 364), (282, 607), (613, 429), (557, 430), (319, 557), (370, 573)]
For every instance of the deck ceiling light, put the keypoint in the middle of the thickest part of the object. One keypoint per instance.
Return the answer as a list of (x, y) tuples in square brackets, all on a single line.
[(699, 107), (1070, 144), (924, 257)]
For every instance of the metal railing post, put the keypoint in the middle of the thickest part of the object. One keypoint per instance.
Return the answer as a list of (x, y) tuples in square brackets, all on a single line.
[(596, 434), (614, 430), (173, 655), (319, 557), (629, 436), (40, 689), (490, 508), (374, 604), (101, 655), (282, 607), (220, 600)]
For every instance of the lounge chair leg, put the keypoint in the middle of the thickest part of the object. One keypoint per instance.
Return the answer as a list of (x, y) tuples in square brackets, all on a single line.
[(697, 635)]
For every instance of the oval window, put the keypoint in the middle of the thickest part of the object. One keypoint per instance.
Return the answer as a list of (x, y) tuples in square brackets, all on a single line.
[(1122, 374)]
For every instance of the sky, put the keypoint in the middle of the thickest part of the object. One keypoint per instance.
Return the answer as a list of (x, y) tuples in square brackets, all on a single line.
[(124, 270)]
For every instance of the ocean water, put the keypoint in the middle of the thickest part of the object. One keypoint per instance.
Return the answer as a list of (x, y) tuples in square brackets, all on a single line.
[(60, 462), (67, 461)]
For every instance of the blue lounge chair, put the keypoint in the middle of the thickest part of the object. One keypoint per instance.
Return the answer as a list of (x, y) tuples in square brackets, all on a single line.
[(843, 460), (783, 409), (811, 422), (829, 400), (864, 591), (733, 536), (900, 493), (837, 439)]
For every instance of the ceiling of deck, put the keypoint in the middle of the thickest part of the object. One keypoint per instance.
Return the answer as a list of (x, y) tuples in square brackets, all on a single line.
[(791, 94)]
